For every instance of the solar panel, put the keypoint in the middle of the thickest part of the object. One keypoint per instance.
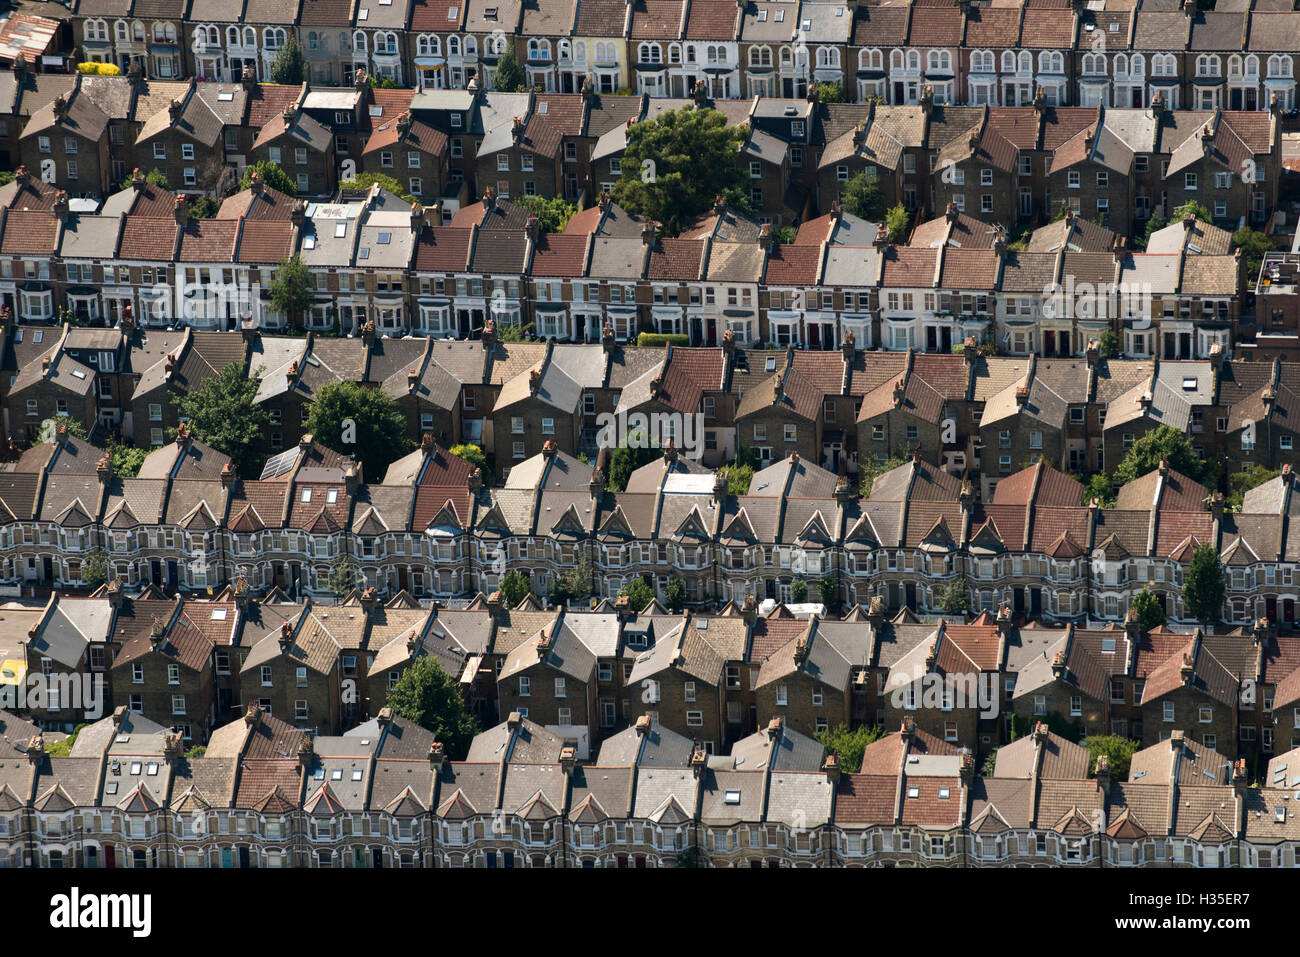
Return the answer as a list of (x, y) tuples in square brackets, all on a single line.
[(280, 464)]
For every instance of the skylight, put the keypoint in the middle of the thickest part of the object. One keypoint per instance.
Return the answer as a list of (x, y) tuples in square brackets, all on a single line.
[(732, 797), (340, 230)]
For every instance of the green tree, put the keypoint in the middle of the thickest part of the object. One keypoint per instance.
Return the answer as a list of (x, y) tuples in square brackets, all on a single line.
[(675, 594), (829, 593), (1059, 724), (798, 591), (288, 65), (869, 470), (514, 587), (1108, 344), (343, 576), (848, 745), (1239, 483), (429, 696), (94, 570), (1164, 443), (509, 76), (1191, 208), (552, 213), (830, 93), (574, 583), (271, 175), (221, 413), (126, 459), (740, 473), (363, 181), (1099, 487), (291, 289), (475, 457), (639, 594), (1253, 245), (1204, 585), (898, 221), (1119, 753), (953, 600), (861, 196), (357, 420), (204, 207), (154, 177), (1150, 615), (677, 164), (1155, 223), (76, 429), (627, 458), (784, 235)]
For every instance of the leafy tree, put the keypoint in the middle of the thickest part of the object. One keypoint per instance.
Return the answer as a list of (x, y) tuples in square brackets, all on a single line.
[(740, 473), (677, 164), (848, 745), (6, 177), (204, 207), (521, 332), (688, 857), (291, 288), (429, 696), (514, 587), (1204, 585), (271, 175), (1191, 208), (509, 76), (1099, 487), (898, 221), (1164, 443), (1253, 245), (798, 591), (830, 93), (625, 460), (94, 570), (829, 593), (363, 181), (869, 470), (63, 749), (1108, 344), (784, 235), (552, 213), (1059, 724), (861, 196), (382, 83), (196, 752), (288, 65), (574, 584), (357, 420), (1239, 483), (221, 413), (475, 457), (639, 594), (126, 459), (76, 429), (1119, 753), (675, 594), (1150, 615), (952, 599), (154, 177), (1155, 223), (343, 576)]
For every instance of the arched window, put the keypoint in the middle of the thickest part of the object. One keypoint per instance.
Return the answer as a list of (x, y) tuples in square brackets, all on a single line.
[(914, 60), (358, 42), (1138, 66), (471, 46), (760, 56), (1008, 61), (453, 46), (869, 60), (828, 58), (896, 59), (981, 61), (1026, 62), (122, 31), (1252, 65)]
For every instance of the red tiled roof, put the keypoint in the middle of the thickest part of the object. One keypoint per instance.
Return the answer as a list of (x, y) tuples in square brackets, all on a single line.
[(150, 238), (676, 259), (430, 16), (30, 232), (443, 249), (711, 20), (790, 265), (265, 241), (209, 241), (557, 254)]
